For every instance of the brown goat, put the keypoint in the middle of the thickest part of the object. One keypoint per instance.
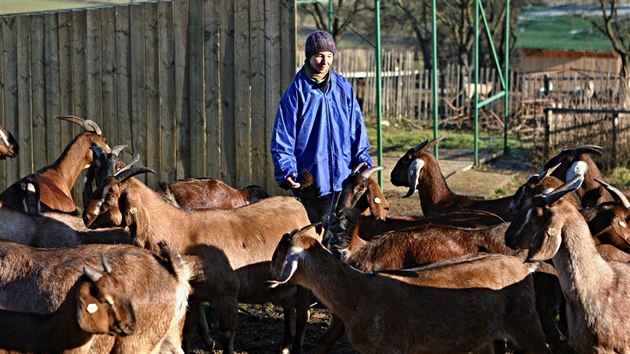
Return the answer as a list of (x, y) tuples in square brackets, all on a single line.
[(384, 314), (419, 170), (597, 291), (55, 182), (361, 192), (231, 248), (590, 192), (38, 280), (195, 193), (96, 304), (8, 145)]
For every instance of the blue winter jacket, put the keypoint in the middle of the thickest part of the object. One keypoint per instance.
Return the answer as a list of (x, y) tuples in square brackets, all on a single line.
[(322, 132)]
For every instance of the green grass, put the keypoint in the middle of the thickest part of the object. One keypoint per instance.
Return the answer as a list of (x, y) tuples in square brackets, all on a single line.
[(403, 135)]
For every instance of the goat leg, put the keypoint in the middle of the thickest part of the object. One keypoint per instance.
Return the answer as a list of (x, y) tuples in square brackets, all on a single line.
[(326, 341)]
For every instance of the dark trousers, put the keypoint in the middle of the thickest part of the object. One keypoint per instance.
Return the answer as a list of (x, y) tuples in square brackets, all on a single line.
[(318, 209)]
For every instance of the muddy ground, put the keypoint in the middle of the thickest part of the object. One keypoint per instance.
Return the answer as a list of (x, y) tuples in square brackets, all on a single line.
[(260, 326)]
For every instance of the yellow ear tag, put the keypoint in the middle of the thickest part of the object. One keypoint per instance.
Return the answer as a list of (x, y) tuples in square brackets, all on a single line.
[(133, 210), (91, 308), (551, 231)]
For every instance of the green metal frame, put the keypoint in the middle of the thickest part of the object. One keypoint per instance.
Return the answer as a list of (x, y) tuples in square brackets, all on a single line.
[(503, 75)]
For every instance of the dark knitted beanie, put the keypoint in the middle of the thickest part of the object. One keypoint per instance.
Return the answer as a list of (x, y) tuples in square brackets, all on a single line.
[(319, 41)]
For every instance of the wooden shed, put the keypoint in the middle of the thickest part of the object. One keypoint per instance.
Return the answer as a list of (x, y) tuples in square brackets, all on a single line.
[(558, 38), (190, 85)]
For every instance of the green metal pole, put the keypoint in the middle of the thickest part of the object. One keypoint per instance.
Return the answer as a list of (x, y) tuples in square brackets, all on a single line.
[(379, 108), (506, 100), (476, 95), (331, 16), (434, 67)]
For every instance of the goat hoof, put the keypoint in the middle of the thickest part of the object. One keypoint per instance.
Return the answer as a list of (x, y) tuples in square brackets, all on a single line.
[(210, 343)]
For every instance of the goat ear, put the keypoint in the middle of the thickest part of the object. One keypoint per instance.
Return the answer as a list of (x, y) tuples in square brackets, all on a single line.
[(289, 267), (413, 173), (545, 242), (91, 314)]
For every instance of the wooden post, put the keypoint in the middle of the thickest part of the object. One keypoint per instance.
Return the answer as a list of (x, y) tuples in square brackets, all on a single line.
[(615, 126), (547, 121)]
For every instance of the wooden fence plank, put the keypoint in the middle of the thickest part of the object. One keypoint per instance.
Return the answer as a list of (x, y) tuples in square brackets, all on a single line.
[(24, 118), (259, 137), (93, 62), (138, 93), (152, 99), (213, 94), (242, 93), (123, 133), (197, 121), (228, 78), (180, 29), (108, 93), (168, 136), (273, 86), (38, 89), (52, 101), (9, 88), (79, 67)]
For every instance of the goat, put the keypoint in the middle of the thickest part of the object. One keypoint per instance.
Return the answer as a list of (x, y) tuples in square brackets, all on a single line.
[(596, 290), (38, 280), (418, 169), (53, 230), (608, 221), (96, 304), (56, 181), (9, 146), (422, 245), (590, 192), (232, 249), (194, 193), (361, 192), (384, 314)]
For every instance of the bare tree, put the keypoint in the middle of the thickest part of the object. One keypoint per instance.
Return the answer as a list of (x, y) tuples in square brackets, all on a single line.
[(346, 13), (614, 28)]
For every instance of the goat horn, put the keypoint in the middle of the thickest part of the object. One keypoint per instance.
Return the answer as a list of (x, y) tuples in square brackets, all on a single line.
[(433, 142), (117, 149), (73, 119), (370, 171), (91, 126), (106, 266), (128, 166), (570, 186), (356, 170), (420, 146), (4, 138), (547, 172), (132, 172), (616, 193), (92, 274)]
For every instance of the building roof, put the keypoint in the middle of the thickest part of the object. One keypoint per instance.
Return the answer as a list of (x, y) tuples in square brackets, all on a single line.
[(563, 26)]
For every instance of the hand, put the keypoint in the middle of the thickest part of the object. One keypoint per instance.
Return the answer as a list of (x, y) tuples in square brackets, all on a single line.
[(291, 183)]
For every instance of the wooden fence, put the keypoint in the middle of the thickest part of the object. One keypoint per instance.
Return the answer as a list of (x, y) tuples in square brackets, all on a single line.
[(190, 85)]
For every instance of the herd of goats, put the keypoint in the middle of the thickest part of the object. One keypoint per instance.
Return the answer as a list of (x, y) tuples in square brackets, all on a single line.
[(542, 271)]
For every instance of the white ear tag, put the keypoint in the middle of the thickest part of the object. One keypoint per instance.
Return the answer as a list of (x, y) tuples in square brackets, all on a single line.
[(91, 308), (551, 231), (622, 224), (377, 200)]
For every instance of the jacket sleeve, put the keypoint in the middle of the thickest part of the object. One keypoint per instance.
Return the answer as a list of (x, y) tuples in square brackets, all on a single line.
[(283, 137), (360, 143)]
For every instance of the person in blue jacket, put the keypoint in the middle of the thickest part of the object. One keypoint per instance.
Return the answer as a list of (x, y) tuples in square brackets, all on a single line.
[(318, 128)]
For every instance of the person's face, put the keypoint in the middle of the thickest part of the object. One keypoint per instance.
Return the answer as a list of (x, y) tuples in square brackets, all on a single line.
[(321, 61)]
